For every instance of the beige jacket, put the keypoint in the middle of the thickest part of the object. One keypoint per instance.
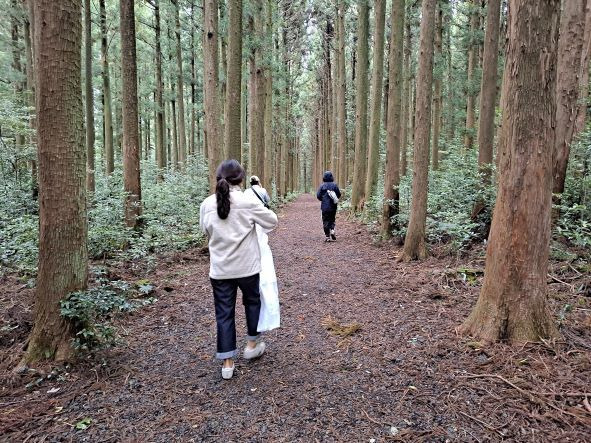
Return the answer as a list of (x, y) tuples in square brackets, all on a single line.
[(233, 245)]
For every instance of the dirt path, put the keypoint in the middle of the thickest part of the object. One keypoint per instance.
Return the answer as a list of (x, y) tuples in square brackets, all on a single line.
[(405, 375)]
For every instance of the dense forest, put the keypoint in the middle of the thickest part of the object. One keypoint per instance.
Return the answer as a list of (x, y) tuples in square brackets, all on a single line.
[(455, 129)]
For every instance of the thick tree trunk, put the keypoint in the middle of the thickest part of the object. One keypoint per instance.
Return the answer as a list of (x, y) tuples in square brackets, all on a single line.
[(107, 102), (360, 163), (182, 133), (414, 243), (232, 127), (437, 97), (160, 131), (396, 121), (210, 88), (63, 257), (129, 111), (268, 123), (192, 147), (90, 183), (512, 303), (570, 54), (376, 99), (470, 94), (341, 82)]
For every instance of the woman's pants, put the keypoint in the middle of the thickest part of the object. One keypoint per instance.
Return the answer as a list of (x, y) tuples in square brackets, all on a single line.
[(224, 294), (328, 219)]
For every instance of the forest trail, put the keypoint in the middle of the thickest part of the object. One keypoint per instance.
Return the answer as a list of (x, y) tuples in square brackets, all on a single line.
[(404, 375)]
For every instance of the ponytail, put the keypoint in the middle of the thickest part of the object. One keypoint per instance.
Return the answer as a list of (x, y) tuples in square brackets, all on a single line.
[(230, 172), (222, 195)]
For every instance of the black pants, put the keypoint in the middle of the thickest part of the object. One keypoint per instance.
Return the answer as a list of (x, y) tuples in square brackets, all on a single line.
[(224, 294), (328, 218)]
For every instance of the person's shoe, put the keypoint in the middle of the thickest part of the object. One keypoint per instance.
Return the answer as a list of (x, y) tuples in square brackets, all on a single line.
[(327, 239), (255, 352), (332, 235), (227, 373)]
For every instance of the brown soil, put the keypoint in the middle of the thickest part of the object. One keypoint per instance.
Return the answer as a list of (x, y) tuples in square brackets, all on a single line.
[(367, 351)]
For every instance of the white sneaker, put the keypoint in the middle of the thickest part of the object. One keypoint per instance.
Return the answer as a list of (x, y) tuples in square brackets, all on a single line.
[(227, 373), (255, 352), (332, 235)]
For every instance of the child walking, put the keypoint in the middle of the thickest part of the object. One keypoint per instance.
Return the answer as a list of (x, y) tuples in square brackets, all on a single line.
[(328, 205), (229, 220)]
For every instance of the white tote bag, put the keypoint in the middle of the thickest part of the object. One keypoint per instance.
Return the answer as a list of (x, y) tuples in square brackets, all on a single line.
[(269, 317)]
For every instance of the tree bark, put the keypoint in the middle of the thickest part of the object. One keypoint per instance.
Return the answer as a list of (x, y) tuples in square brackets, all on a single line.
[(488, 90), (63, 257), (160, 131), (210, 88), (341, 83), (107, 102), (414, 243), (268, 122), (30, 87), (570, 55), (129, 112), (360, 163), (232, 127), (437, 97), (90, 183), (584, 75), (407, 97), (512, 304), (376, 100), (470, 94), (256, 100), (396, 121), (182, 133)]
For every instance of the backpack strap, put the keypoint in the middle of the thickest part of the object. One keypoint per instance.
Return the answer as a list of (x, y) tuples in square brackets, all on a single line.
[(259, 197)]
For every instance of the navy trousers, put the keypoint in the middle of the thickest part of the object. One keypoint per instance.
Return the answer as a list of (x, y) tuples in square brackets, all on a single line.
[(328, 220), (224, 294)]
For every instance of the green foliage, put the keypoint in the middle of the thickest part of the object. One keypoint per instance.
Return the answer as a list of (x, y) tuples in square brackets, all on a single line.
[(92, 312), (170, 219), (574, 224)]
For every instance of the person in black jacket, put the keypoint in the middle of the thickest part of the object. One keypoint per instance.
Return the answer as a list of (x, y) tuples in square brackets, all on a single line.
[(328, 206)]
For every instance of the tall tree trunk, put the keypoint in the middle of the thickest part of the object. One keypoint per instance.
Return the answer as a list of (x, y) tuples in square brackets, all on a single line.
[(90, 184), (160, 131), (341, 83), (437, 97), (360, 164), (182, 133), (407, 97), (192, 149), (395, 119), (256, 100), (210, 88), (107, 102), (232, 123), (512, 304), (30, 86), (488, 97), (63, 256), (129, 111), (376, 99), (470, 93), (268, 72), (570, 54), (174, 147), (584, 74), (414, 243)]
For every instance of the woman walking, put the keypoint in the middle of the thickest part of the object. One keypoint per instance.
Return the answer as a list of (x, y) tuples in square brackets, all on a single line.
[(229, 220)]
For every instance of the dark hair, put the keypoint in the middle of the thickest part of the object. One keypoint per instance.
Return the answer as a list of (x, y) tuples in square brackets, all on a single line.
[(229, 172), (254, 181)]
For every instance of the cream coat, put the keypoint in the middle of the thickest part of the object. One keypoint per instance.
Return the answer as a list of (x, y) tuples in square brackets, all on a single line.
[(233, 244)]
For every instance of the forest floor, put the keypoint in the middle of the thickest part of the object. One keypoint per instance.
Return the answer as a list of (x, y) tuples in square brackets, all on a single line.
[(400, 374)]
